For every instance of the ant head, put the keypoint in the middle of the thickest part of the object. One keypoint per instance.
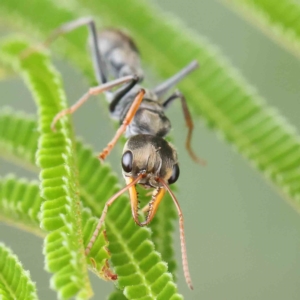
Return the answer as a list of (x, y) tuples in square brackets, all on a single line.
[(152, 156)]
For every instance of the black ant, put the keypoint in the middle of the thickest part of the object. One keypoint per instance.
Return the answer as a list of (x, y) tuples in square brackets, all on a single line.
[(148, 159)]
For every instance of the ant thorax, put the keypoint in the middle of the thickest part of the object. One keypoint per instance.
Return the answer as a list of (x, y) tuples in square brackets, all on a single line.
[(150, 117)]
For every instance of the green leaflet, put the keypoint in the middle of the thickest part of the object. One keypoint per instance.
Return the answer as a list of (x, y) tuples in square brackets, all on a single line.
[(15, 282), (60, 212), (20, 205), (278, 20), (133, 256), (19, 138)]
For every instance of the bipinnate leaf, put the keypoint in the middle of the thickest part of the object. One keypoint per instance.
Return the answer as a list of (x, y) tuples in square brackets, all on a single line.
[(15, 282), (61, 211), (20, 205)]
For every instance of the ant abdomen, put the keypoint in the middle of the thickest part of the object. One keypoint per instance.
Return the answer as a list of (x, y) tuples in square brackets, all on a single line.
[(120, 53)]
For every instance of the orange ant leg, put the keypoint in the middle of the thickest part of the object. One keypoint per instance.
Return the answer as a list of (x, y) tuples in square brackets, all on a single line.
[(189, 123), (92, 92), (129, 116), (104, 212)]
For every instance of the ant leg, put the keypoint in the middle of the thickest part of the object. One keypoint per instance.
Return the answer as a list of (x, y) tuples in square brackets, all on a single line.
[(119, 94), (91, 92), (99, 65), (128, 118), (104, 212), (172, 81), (188, 121)]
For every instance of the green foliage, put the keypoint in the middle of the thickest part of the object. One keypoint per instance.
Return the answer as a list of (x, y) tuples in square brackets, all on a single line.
[(20, 204), (19, 138), (15, 282), (60, 210), (130, 246), (224, 100), (279, 20)]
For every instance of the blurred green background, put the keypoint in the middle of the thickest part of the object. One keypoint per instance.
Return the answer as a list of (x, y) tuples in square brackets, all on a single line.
[(243, 240)]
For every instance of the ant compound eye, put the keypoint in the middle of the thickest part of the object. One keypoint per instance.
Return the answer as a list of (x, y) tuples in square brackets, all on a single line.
[(175, 174), (127, 161)]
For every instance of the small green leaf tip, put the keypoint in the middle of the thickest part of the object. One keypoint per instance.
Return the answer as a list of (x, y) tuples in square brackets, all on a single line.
[(15, 282)]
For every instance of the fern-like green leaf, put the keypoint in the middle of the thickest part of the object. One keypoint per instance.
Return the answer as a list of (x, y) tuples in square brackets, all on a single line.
[(20, 205), (140, 270), (279, 20), (15, 282), (61, 212), (216, 92)]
